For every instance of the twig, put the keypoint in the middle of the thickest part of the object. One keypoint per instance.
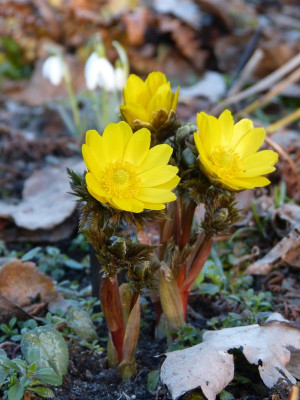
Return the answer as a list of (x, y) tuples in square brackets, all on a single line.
[(247, 72), (260, 86), (7, 343), (245, 56), (285, 156), (16, 349), (283, 122), (294, 393), (275, 91)]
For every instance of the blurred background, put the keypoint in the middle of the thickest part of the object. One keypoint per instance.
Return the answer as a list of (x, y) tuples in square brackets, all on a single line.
[(63, 64)]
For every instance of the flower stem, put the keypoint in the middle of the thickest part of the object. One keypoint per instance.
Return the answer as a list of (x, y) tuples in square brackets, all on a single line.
[(104, 108), (73, 100), (113, 313)]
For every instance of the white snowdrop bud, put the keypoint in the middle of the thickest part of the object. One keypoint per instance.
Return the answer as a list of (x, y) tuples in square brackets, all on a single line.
[(53, 69), (120, 78), (99, 73)]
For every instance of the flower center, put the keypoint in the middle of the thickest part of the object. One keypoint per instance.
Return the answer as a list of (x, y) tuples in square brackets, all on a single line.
[(227, 163), (120, 179)]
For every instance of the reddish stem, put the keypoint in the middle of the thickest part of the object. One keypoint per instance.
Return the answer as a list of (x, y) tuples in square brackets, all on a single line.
[(113, 313), (187, 216)]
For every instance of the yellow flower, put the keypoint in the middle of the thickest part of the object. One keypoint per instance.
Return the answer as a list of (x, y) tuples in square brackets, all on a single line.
[(228, 152), (150, 102), (125, 173)]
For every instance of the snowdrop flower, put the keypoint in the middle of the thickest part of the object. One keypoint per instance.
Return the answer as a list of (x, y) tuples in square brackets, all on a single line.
[(120, 78), (53, 69), (99, 73)]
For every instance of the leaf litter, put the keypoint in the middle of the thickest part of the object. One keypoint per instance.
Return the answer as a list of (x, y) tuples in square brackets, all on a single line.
[(210, 366)]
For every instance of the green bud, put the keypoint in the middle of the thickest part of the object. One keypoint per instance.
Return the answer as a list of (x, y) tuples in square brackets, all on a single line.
[(118, 247), (221, 215), (188, 157)]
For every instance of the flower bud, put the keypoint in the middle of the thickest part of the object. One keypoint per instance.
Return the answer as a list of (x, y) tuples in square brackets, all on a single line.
[(53, 69), (99, 72)]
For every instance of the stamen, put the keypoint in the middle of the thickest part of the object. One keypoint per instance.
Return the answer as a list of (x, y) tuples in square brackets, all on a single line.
[(227, 163), (121, 180)]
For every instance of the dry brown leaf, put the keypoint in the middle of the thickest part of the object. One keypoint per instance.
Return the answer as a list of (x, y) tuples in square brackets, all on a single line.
[(46, 202), (136, 25), (210, 366), (22, 283), (286, 220)]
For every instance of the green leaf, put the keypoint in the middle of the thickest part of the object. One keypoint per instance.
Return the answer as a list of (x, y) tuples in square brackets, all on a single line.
[(73, 264), (43, 392), (209, 288), (51, 346), (16, 392), (3, 374), (224, 395), (81, 322), (33, 355), (48, 376), (153, 379), (31, 254)]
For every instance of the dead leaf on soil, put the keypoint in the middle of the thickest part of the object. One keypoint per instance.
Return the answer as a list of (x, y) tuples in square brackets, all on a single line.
[(211, 86), (46, 202), (286, 220), (210, 366), (23, 286)]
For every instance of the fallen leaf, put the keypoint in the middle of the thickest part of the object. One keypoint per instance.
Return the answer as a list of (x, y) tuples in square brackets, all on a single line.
[(186, 10), (136, 24), (23, 286), (209, 365), (212, 86), (286, 220), (46, 202)]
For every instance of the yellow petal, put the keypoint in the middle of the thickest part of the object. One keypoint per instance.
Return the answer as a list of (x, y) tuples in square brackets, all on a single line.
[(203, 155), (116, 138), (226, 123), (94, 185), (215, 132), (171, 184), (90, 160), (263, 170), (260, 159), (129, 204), (154, 195), (133, 111), (161, 100), (175, 99), (138, 146), (99, 198), (203, 129), (154, 81), (158, 155), (98, 148), (250, 183), (250, 142), (158, 175), (240, 129), (154, 206), (136, 91)]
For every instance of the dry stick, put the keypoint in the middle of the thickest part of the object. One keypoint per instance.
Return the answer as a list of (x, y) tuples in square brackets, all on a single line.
[(251, 45), (294, 393), (247, 72), (285, 156), (281, 123), (7, 343), (261, 85), (275, 91)]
